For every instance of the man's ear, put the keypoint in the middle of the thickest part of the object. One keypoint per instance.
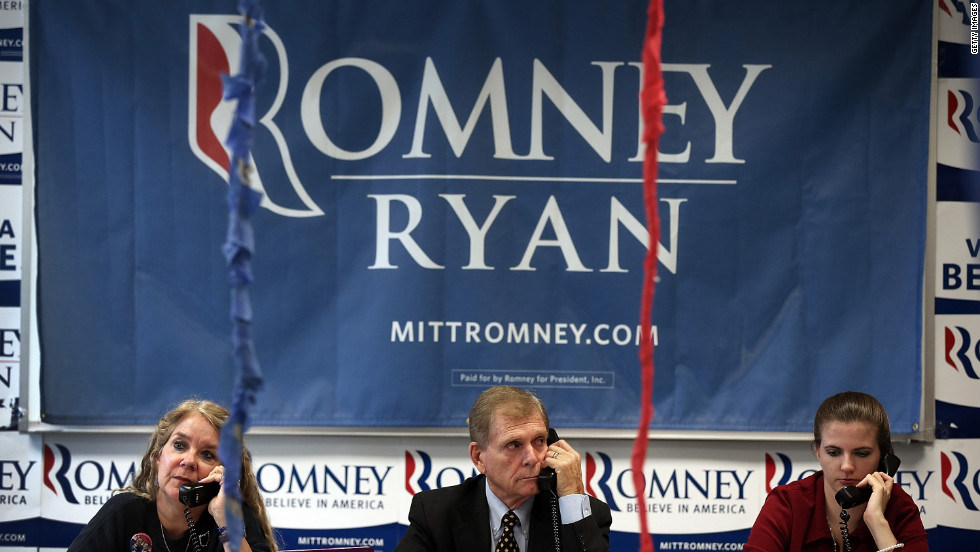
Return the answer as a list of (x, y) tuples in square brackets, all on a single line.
[(476, 455)]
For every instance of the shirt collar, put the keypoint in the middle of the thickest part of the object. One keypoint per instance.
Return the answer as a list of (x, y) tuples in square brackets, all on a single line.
[(498, 509)]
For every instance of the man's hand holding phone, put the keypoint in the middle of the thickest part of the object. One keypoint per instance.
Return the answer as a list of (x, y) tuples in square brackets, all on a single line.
[(567, 463)]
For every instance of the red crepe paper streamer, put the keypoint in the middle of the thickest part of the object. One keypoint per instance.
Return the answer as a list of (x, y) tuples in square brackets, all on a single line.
[(652, 100)]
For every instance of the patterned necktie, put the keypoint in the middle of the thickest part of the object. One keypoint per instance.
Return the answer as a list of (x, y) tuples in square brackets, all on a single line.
[(507, 543)]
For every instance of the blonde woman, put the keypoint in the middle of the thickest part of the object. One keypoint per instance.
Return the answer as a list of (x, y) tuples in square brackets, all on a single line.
[(149, 515)]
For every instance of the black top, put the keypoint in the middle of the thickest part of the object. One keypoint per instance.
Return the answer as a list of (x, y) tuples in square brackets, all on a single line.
[(125, 515), (457, 519)]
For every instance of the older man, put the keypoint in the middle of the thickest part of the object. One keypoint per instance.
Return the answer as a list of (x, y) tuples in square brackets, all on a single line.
[(501, 510)]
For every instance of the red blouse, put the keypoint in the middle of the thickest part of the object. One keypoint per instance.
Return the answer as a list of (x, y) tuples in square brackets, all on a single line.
[(794, 518)]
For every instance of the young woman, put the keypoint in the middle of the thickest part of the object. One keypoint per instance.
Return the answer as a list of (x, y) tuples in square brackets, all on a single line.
[(149, 515), (850, 436)]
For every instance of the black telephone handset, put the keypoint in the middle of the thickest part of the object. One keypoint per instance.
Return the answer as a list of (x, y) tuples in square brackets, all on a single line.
[(196, 494), (849, 497), (547, 478), (548, 483)]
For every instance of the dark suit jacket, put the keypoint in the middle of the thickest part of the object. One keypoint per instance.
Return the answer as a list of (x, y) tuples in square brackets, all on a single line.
[(457, 519)]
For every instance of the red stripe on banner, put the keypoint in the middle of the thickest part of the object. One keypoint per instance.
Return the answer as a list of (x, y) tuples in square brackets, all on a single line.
[(48, 464), (945, 468), (652, 99), (211, 64), (950, 341), (951, 105), (589, 473), (409, 472), (770, 472)]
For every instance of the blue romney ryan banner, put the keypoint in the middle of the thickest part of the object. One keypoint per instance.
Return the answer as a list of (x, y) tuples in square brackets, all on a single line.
[(453, 199)]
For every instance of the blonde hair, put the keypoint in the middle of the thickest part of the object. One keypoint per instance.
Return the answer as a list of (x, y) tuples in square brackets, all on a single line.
[(145, 482)]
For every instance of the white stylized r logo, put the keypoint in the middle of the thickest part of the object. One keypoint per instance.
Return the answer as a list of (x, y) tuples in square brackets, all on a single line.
[(215, 46)]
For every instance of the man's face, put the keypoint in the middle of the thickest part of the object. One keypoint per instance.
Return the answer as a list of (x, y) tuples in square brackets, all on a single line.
[(513, 457)]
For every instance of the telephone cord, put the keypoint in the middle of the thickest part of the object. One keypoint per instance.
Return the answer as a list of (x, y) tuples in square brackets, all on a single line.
[(554, 520), (844, 533), (193, 530)]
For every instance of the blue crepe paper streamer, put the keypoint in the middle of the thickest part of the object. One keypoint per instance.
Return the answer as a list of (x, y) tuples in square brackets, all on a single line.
[(243, 201)]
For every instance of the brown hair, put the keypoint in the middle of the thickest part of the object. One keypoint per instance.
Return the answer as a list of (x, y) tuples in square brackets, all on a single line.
[(145, 482), (850, 407), (512, 402)]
